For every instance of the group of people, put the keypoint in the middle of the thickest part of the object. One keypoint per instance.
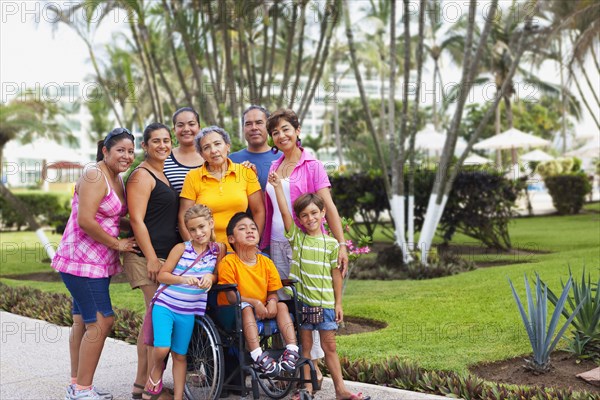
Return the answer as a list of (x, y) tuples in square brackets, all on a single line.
[(198, 216)]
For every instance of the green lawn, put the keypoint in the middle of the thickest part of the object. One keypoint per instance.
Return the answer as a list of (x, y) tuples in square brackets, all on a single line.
[(445, 323)]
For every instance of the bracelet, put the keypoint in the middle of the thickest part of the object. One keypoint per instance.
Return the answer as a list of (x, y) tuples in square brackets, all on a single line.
[(342, 243)]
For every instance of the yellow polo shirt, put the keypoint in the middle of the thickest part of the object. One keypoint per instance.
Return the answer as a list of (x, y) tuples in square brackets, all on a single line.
[(226, 197)]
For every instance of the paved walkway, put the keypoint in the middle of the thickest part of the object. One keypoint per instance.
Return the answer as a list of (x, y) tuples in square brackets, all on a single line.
[(34, 365)]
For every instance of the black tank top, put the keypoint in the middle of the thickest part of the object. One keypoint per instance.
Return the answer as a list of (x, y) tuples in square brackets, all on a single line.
[(161, 217)]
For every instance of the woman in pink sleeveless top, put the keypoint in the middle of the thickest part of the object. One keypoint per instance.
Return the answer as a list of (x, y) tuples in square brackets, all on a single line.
[(88, 255)]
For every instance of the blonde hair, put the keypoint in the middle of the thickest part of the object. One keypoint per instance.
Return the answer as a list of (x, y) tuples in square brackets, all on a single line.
[(200, 211)]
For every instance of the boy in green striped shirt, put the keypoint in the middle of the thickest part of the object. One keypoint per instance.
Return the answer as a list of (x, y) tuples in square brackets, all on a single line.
[(314, 266)]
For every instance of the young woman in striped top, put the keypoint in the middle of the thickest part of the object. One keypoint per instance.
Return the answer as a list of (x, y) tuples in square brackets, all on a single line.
[(187, 283), (184, 158)]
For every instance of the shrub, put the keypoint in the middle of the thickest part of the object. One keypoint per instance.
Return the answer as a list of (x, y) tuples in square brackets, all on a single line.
[(386, 266), (46, 207), (55, 308), (480, 204), (568, 191), (362, 194)]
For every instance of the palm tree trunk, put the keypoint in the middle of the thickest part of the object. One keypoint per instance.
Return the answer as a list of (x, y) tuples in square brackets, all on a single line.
[(288, 54), (170, 37), (299, 56), (109, 97), (143, 62), (313, 68), (321, 63), (228, 65), (363, 98), (272, 52), (413, 130), (436, 69), (438, 199), (265, 44)]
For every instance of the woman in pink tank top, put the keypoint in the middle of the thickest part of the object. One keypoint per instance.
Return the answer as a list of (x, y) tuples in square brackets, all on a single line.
[(88, 255)]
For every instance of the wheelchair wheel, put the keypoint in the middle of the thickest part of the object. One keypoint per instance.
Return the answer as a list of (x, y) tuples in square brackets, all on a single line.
[(206, 364), (278, 388)]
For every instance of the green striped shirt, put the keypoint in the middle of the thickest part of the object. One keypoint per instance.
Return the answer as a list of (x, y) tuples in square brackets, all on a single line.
[(313, 259)]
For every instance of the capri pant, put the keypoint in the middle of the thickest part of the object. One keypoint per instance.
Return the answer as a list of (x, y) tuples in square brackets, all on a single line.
[(90, 296), (172, 329)]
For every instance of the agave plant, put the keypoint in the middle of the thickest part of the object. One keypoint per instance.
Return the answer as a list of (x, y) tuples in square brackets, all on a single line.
[(586, 340), (535, 320)]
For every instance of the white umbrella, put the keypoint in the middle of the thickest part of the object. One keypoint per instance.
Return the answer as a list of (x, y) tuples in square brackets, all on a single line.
[(537, 155), (430, 139), (590, 150), (511, 139), (475, 159)]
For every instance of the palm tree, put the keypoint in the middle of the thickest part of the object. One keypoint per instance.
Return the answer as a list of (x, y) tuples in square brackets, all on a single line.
[(442, 40), (25, 120), (577, 23)]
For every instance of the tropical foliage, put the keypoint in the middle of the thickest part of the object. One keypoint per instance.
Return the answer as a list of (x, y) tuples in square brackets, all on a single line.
[(542, 334)]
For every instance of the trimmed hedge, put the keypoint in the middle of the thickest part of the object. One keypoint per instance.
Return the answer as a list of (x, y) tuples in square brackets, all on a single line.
[(46, 206), (568, 191), (480, 204)]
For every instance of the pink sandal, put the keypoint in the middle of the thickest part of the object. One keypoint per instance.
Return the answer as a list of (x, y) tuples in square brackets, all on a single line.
[(154, 394)]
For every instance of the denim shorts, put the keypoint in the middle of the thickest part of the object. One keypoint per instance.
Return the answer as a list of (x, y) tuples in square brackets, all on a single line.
[(328, 323), (172, 329), (90, 296)]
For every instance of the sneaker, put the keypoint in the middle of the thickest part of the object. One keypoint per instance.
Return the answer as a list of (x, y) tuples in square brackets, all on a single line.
[(102, 394), (288, 360), (267, 365), (84, 394)]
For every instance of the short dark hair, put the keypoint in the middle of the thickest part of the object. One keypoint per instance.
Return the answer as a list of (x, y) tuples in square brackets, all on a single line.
[(186, 109), (305, 200), (154, 126), (285, 114), (237, 217), (255, 107)]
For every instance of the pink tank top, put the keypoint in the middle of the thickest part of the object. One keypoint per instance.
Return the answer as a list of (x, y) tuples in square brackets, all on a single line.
[(78, 254)]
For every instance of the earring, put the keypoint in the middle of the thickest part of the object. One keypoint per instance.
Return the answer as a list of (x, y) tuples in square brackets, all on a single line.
[(299, 142), (274, 150)]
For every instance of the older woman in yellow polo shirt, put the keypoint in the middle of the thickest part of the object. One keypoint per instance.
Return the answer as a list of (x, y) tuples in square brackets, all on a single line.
[(224, 186)]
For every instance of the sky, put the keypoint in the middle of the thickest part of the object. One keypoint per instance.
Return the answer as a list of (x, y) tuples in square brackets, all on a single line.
[(34, 55)]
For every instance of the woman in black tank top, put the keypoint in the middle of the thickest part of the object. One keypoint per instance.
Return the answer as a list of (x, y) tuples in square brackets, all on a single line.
[(153, 208)]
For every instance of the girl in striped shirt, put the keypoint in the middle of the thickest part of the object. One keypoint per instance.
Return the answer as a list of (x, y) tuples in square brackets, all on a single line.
[(182, 295)]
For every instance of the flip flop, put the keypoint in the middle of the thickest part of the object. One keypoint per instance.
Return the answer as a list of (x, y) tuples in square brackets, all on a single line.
[(136, 395), (357, 396)]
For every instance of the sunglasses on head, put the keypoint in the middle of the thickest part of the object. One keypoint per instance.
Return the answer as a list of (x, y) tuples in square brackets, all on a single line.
[(117, 132)]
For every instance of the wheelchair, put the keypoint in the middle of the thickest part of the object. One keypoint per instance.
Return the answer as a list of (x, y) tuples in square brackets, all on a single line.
[(219, 363)]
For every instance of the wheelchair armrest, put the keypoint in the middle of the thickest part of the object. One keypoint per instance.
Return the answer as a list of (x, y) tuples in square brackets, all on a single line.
[(288, 282), (225, 287), (229, 287)]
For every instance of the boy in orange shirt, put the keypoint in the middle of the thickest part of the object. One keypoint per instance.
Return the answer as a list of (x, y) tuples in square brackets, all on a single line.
[(258, 282)]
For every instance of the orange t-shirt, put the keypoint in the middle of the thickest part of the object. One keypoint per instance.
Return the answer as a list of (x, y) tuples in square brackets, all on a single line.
[(253, 281)]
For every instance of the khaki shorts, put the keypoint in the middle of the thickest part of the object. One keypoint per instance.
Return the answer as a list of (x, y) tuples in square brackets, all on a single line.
[(136, 270)]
